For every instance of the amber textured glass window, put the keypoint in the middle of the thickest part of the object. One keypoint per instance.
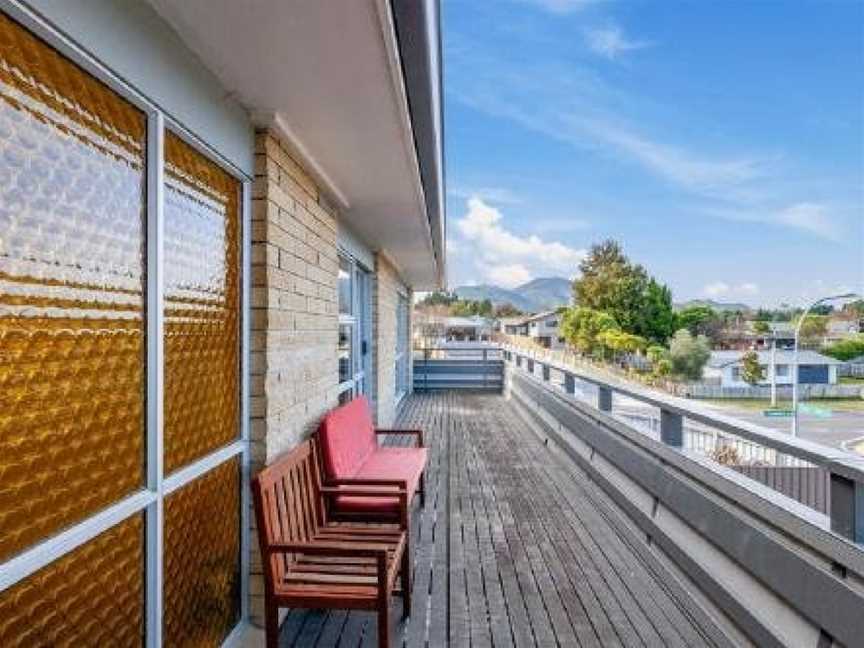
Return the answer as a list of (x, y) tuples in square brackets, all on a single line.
[(202, 559), (72, 379), (202, 305), (93, 596)]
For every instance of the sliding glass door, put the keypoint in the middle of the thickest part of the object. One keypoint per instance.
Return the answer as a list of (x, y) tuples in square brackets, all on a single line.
[(355, 329)]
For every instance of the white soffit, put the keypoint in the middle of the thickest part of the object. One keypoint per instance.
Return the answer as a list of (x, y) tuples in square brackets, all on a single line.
[(326, 76)]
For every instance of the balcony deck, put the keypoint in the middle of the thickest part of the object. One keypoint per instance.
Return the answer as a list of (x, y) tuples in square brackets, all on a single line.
[(516, 547)]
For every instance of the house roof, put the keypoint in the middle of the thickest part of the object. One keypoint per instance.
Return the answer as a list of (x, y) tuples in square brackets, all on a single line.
[(721, 359), (466, 322), (540, 316)]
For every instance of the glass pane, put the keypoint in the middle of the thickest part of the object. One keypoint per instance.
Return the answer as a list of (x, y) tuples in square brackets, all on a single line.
[(346, 336), (345, 296), (72, 377), (93, 596), (202, 305), (202, 559)]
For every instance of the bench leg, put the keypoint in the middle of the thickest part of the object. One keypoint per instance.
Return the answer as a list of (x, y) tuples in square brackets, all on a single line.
[(384, 623), (423, 489), (406, 581), (271, 622)]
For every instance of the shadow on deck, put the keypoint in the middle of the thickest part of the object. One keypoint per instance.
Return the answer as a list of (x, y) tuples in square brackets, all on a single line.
[(516, 547)]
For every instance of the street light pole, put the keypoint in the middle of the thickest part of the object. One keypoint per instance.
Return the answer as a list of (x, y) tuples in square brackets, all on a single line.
[(795, 354)]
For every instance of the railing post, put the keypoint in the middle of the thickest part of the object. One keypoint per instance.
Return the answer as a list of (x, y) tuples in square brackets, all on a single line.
[(847, 506), (484, 368), (604, 399), (569, 383), (546, 372), (671, 428)]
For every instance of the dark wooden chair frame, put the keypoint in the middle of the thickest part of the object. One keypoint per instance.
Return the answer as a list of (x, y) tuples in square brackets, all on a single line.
[(330, 563)]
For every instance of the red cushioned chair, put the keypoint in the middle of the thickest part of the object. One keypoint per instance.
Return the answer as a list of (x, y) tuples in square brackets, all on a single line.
[(351, 456)]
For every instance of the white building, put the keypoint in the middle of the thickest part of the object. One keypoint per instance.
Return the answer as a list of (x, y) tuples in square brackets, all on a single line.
[(813, 368), (545, 329)]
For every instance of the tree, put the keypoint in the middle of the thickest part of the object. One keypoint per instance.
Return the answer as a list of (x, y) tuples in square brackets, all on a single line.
[(762, 327), (847, 349), (814, 328), (506, 310), (581, 327), (620, 342), (658, 316), (694, 317), (688, 355), (752, 372), (611, 283), (658, 355)]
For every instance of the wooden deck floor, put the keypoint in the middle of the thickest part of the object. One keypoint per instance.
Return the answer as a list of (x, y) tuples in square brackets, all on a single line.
[(514, 548)]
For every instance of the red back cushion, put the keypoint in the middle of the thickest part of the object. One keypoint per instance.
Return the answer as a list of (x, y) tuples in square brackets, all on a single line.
[(347, 438)]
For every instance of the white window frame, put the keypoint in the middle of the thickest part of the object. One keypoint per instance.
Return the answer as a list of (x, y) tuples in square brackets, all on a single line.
[(360, 321), (150, 499)]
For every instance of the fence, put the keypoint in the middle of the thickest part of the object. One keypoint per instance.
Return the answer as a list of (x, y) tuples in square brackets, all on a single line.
[(784, 392), (851, 370)]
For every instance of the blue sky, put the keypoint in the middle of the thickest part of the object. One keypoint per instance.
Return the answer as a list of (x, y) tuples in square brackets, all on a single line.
[(721, 142)]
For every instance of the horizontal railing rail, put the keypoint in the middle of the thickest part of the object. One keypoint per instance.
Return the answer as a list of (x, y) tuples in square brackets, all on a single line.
[(845, 471), (459, 366)]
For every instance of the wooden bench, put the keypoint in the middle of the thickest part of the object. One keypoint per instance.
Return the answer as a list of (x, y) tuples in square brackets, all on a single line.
[(310, 561), (352, 456)]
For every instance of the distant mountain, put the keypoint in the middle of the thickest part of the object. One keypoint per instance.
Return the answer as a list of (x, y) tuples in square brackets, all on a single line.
[(540, 294), (717, 306), (547, 292)]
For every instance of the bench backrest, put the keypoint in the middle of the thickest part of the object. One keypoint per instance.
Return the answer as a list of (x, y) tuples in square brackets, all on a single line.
[(346, 437), (287, 500)]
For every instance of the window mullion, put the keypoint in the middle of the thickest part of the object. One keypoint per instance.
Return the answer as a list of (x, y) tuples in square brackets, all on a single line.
[(155, 372)]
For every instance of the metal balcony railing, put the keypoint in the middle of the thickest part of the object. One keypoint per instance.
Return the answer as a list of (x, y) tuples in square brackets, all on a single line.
[(459, 366)]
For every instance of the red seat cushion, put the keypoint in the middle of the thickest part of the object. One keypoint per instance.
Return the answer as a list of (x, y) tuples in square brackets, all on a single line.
[(386, 463), (347, 438)]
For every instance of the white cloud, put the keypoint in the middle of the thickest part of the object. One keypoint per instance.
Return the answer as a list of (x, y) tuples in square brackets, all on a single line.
[(813, 218), (688, 170), (610, 42), (488, 250), (723, 289)]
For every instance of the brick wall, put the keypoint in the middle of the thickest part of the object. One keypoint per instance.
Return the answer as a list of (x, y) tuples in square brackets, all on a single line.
[(294, 318), (385, 290)]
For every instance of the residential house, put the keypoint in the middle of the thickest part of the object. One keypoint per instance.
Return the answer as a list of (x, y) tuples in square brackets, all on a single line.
[(813, 368), (545, 329), (214, 217), (512, 325)]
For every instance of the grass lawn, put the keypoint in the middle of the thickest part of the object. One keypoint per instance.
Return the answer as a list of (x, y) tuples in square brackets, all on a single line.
[(759, 404), (851, 380)]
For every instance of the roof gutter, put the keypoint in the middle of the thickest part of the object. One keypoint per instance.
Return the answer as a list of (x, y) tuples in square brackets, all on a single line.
[(418, 32)]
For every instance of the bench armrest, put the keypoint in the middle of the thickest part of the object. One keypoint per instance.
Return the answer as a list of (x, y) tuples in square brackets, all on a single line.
[(363, 481), (359, 549), (414, 433)]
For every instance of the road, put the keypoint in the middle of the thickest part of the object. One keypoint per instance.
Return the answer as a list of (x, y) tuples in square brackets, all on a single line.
[(842, 427)]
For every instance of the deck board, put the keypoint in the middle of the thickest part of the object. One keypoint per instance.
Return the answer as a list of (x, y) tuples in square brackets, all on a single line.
[(515, 547)]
